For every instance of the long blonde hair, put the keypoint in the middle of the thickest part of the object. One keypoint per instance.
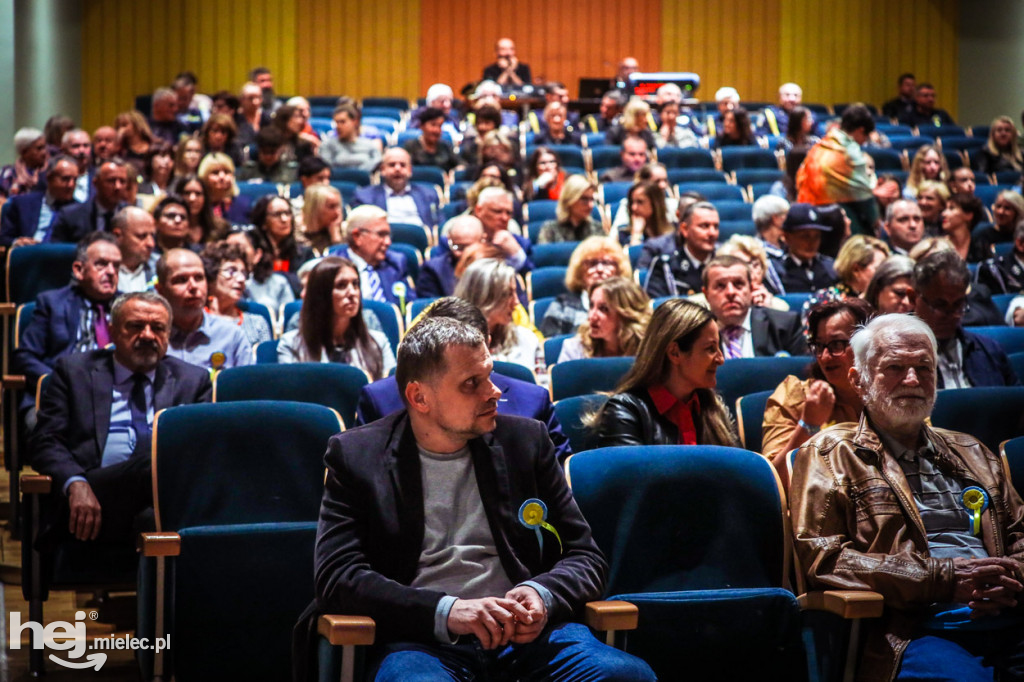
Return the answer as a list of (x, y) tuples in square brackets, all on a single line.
[(314, 199), (916, 176), (631, 305), (1012, 155)]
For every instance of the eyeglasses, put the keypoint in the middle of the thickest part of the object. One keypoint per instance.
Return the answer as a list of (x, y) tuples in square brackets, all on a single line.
[(380, 234), (458, 248), (280, 215), (836, 347), (175, 217), (951, 309), (233, 273), (591, 263)]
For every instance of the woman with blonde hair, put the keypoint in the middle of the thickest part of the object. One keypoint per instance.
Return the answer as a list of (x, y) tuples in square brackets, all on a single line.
[(321, 218), (619, 312), (490, 285), (593, 261), (635, 120), (1007, 214), (668, 397), (217, 173), (1002, 151), (928, 164), (931, 199), (574, 214), (856, 263)]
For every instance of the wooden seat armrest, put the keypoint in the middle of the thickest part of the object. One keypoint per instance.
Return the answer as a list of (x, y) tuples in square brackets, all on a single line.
[(844, 603), (15, 381), (611, 615), (347, 630), (160, 544), (8, 308), (35, 484)]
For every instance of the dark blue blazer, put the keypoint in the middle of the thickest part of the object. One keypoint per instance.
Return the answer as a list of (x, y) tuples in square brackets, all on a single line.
[(75, 221), (50, 333), (437, 277), (524, 244), (74, 415), (426, 200), (518, 398), (20, 216), (985, 363), (238, 214), (392, 269)]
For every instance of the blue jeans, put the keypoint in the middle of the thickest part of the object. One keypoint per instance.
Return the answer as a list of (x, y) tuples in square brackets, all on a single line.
[(563, 652), (965, 657)]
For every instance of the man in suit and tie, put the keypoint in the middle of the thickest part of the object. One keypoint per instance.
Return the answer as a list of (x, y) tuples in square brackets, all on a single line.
[(77, 145), (73, 318), (424, 527), (29, 218), (95, 421), (437, 276), (748, 331), (369, 237), (519, 398), (403, 201), (97, 214)]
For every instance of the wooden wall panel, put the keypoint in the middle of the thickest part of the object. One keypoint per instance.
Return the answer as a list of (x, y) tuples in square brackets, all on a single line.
[(726, 42), (358, 47), (132, 48), (561, 41), (845, 50)]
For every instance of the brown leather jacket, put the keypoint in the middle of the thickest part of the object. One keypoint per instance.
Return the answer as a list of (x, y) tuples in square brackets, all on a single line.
[(856, 527)]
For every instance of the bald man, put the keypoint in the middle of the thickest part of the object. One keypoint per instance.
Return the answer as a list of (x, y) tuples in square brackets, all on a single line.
[(507, 71)]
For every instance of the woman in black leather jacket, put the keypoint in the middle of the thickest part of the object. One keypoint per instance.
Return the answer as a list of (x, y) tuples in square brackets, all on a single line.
[(668, 397)]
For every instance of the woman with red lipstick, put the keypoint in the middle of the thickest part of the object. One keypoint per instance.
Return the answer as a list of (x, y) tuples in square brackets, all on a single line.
[(668, 396), (331, 325), (799, 408), (616, 322), (226, 275)]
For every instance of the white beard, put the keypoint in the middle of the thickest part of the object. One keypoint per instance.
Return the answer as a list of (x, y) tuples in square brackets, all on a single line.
[(886, 410)]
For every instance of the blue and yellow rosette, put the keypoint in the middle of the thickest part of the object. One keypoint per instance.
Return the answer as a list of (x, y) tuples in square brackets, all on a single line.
[(975, 501), (533, 514)]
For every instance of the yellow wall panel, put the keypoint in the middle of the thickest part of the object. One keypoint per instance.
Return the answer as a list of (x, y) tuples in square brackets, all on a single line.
[(846, 50), (726, 42)]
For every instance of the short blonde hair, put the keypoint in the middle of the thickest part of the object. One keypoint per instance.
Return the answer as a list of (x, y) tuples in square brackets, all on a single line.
[(933, 186), (858, 252), (314, 199), (635, 110), (572, 190), (215, 161), (745, 245), (361, 216), (593, 247)]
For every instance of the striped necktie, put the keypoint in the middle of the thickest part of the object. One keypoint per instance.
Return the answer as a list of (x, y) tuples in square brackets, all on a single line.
[(373, 282), (733, 342)]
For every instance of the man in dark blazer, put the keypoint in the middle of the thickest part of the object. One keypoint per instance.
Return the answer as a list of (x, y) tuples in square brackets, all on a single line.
[(74, 318), (369, 237), (747, 330), (425, 527), (97, 214), (437, 276), (22, 218), (519, 398), (675, 261), (403, 201), (95, 421)]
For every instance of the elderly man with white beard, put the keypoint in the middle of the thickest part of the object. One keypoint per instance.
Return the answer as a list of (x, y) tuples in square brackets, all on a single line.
[(922, 515)]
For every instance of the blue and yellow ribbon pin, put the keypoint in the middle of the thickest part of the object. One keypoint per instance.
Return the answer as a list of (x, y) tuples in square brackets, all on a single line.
[(534, 514), (975, 501)]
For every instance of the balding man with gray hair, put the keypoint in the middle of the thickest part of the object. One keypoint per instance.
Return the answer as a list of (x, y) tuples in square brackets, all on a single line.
[(437, 276), (494, 209), (922, 515), (775, 118), (135, 231), (383, 274)]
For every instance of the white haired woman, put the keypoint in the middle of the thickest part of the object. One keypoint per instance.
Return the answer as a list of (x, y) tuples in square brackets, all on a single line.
[(575, 221)]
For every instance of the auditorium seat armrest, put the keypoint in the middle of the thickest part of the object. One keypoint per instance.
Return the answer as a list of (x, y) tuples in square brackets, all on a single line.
[(160, 544), (15, 381), (611, 616), (847, 604), (35, 484), (8, 308), (347, 630)]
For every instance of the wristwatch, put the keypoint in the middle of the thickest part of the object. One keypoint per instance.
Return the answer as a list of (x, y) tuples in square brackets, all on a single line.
[(808, 427)]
